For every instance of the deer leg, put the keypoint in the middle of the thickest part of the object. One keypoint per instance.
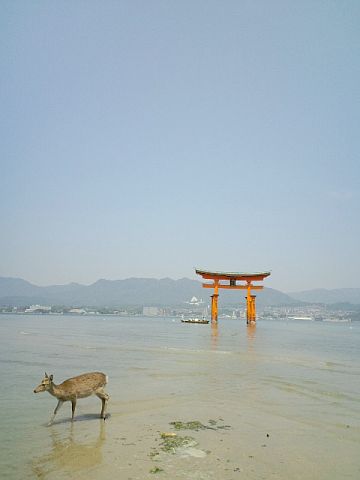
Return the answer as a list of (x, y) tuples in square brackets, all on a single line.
[(60, 402), (103, 406), (73, 405), (104, 397)]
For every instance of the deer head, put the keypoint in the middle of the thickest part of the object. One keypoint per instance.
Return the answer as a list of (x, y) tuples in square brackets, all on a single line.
[(45, 384)]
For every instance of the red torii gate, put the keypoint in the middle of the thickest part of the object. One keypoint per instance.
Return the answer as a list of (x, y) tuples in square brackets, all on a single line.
[(232, 278)]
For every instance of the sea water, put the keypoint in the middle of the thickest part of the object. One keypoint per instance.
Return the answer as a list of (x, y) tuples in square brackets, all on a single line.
[(279, 400)]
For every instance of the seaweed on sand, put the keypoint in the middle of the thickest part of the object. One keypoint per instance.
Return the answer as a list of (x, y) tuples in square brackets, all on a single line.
[(196, 425), (171, 444), (156, 470), (193, 425)]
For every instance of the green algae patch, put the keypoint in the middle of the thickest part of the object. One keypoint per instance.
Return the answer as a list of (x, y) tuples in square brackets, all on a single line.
[(171, 444), (184, 445), (196, 425), (193, 425), (156, 470)]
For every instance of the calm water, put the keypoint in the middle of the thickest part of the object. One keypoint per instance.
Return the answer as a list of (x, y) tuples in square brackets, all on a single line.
[(289, 392)]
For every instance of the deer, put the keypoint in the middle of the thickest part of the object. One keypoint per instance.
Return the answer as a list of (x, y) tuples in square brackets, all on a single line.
[(72, 389)]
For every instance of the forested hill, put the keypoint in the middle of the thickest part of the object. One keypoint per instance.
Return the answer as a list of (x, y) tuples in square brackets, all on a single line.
[(131, 291)]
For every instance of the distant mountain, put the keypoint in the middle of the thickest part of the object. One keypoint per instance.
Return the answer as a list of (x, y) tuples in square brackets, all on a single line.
[(132, 291), (17, 286), (321, 295)]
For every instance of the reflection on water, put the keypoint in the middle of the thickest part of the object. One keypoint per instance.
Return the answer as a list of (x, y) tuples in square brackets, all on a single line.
[(214, 335), (251, 334), (68, 454)]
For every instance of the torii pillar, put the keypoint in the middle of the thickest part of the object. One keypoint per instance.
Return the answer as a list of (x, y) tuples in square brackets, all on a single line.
[(218, 279)]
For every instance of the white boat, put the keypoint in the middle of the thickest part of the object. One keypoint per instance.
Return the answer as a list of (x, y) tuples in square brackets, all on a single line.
[(301, 318)]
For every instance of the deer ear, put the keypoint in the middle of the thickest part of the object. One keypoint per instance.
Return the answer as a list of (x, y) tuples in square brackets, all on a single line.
[(51, 378), (46, 375)]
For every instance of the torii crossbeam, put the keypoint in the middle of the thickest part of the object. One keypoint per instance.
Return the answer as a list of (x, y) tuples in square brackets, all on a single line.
[(230, 279)]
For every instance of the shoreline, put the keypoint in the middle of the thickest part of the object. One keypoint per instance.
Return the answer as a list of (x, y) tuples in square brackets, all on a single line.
[(254, 444)]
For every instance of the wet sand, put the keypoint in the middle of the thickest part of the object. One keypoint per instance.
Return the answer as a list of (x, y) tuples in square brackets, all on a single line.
[(255, 444), (275, 405)]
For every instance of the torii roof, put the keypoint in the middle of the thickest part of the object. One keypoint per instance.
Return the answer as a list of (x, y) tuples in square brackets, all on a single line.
[(255, 276)]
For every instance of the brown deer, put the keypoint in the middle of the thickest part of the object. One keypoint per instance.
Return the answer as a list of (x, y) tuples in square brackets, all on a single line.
[(81, 386)]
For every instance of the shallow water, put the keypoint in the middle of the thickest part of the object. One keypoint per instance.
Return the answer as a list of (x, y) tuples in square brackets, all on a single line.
[(287, 392)]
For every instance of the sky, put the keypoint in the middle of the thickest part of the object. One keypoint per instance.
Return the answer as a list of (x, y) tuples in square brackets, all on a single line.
[(146, 138)]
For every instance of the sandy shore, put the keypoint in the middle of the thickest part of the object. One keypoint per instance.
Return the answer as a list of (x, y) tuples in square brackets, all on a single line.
[(278, 402), (240, 442)]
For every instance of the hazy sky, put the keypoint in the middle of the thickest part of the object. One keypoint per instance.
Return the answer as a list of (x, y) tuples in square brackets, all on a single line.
[(143, 138)]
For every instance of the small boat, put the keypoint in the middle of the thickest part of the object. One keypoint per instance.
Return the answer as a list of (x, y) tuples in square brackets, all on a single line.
[(194, 320)]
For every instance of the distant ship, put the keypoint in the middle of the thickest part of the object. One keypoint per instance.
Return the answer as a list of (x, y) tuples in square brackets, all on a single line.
[(194, 320), (301, 318)]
